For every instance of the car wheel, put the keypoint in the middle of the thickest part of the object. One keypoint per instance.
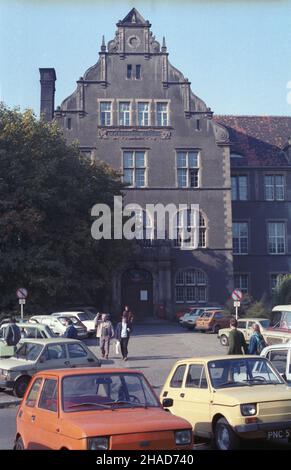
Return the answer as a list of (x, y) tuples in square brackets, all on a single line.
[(19, 444), (21, 386), (224, 436), (224, 340)]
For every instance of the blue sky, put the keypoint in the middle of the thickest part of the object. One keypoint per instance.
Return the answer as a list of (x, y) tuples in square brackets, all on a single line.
[(236, 53)]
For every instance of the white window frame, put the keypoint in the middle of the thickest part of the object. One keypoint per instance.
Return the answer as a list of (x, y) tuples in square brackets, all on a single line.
[(187, 168), (273, 187), (134, 168), (195, 285), (240, 238), (276, 237), (236, 190), (139, 102), (127, 113), (110, 112), (239, 285), (165, 114)]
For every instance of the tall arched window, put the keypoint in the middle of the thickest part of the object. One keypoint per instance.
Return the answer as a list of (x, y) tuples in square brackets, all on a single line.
[(146, 225), (191, 286), (190, 223)]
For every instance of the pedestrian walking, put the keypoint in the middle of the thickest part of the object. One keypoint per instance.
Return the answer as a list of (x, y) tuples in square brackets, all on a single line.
[(123, 331), (236, 340), (12, 334), (128, 314), (257, 342), (106, 332), (71, 331)]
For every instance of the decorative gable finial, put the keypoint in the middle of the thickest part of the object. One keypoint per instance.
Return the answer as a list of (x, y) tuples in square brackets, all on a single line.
[(164, 47), (103, 46)]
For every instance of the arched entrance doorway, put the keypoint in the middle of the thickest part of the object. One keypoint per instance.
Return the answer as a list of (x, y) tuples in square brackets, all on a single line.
[(137, 292)]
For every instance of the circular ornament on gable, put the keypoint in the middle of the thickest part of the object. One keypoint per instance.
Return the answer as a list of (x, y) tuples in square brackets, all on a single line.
[(133, 42)]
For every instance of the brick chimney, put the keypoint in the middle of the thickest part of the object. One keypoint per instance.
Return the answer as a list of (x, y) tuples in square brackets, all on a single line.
[(47, 93)]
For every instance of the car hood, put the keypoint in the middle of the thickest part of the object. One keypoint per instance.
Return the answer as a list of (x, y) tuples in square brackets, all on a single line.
[(250, 394), (119, 421), (15, 364)]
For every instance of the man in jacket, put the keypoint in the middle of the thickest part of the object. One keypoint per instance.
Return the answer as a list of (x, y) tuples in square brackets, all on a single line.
[(123, 331), (236, 340), (71, 331), (12, 334), (106, 331)]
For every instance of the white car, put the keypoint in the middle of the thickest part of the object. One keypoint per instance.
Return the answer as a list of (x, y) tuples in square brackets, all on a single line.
[(280, 356), (83, 317), (35, 355), (58, 324)]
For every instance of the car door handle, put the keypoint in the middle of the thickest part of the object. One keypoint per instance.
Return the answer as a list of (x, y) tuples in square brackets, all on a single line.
[(182, 395), (32, 418), (67, 363)]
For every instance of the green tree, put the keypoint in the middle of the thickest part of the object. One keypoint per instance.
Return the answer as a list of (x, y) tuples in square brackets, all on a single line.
[(46, 194), (282, 293), (259, 309)]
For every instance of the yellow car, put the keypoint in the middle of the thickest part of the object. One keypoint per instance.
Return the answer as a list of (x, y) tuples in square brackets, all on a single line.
[(226, 398)]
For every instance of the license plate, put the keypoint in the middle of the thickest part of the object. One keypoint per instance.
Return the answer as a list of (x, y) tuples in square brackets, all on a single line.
[(279, 434)]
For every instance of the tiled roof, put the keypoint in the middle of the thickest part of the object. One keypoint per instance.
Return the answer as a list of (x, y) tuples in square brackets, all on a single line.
[(259, 139)]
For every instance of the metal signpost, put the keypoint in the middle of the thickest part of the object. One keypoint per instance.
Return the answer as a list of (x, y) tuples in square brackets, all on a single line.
[(236, 295), (21, 294)]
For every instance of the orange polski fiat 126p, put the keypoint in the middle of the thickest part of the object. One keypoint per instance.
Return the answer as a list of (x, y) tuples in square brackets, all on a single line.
[(96, 410)]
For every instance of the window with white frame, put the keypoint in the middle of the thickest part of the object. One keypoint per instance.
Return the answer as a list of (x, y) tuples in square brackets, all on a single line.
[(239, 188), (188, 169), (143, 113), (276, 238), (241, 282), (124, 113), (191, 286), (189, 221), (105, 113), (134, 168), (274, 187), (145, 228), (240, 238), (162, 109)]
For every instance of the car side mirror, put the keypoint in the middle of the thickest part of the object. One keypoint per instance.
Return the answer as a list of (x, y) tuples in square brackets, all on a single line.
[(167, 402)]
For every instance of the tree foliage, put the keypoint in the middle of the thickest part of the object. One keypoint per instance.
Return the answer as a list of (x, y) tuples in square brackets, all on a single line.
[(46, 194), (282, 294)]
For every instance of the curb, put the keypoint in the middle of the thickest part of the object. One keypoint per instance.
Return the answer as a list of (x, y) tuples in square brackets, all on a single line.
[(7, 404)]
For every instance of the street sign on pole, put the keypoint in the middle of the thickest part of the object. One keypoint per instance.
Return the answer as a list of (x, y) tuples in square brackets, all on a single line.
[(236, 295), (21, 294)]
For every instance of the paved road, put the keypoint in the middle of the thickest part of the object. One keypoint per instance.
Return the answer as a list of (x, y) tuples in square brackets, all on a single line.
[(153, 349)]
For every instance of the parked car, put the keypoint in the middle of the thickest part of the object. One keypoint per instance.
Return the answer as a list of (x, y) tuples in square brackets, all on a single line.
[(227, 398), (83, 317), (97, 410), (189, 319), (58, 324), (280, 356), (245, 325), (212, 320), (281, 318), (28, 330), (41, 354)]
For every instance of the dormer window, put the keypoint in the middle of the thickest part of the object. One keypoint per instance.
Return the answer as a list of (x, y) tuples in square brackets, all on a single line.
[(138, 72)]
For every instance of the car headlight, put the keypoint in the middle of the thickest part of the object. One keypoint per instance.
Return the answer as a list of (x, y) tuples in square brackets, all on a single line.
[(5, 373), (183, 437), (250, 409), (98, 443)]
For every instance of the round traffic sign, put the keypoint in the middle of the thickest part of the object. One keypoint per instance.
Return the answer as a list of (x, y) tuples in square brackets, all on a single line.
[(21, 293), (237, 295)]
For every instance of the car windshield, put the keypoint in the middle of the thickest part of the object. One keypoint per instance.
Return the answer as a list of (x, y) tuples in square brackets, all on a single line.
[(28, 351), (83, 316), (227, 373), (206, 314), (106, 391), (76, 322), (265, 323)]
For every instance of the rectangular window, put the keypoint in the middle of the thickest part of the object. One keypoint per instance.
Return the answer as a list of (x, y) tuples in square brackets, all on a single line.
[(162, 114), (129, 71), (276, 280), (143, 112), (138, 72), (239, 188), (187, 169), (134, 168), (49, 396), (196, 377), (124, 113), (241, 282), (69, 123), (274, 187), (240, 238), (179, 294), (105, 113), (276, 238)]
